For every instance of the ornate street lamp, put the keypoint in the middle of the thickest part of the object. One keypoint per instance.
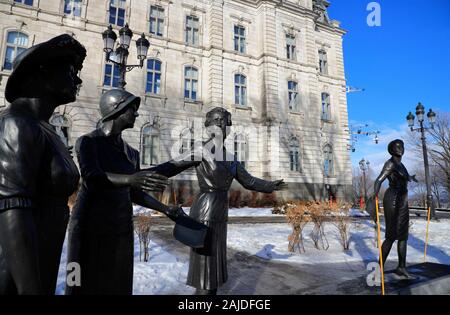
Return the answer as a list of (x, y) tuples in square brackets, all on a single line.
[(119, 57), (364, 166), (420, 113)]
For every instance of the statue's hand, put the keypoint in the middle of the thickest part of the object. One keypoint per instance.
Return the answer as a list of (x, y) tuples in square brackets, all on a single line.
[(175, 212), (148, 180), (413, 179), (280, 184)]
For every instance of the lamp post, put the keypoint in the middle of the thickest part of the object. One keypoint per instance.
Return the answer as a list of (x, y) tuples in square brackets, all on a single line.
[(119, 56), (420, 112), (364, 166)]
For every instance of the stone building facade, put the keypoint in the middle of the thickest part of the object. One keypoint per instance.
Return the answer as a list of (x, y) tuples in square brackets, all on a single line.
[(277, 66)]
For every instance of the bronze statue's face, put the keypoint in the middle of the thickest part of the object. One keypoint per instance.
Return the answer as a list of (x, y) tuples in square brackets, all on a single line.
[(398, 149), (127, 117), (220, 120), (61, 82)]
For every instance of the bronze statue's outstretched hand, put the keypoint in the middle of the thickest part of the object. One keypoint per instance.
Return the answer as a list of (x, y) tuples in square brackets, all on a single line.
[(175, 212), (413, 179), (280, 184), (148, 180)]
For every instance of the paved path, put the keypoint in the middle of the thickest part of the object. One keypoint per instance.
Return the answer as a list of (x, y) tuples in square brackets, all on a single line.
[(249, 274)]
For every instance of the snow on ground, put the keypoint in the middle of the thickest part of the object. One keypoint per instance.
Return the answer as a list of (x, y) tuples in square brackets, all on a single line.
[(166, 273), (246, 212)]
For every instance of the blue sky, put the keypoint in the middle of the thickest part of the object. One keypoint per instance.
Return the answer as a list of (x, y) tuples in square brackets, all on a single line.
[(402, 62)]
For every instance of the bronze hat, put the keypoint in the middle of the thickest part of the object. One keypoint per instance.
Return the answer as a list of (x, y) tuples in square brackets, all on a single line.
[(115, 100), (62, 47)]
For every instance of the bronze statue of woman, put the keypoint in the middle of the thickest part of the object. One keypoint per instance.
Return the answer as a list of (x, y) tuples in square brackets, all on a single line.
[(395, 203), (37, 173), (101, 229)]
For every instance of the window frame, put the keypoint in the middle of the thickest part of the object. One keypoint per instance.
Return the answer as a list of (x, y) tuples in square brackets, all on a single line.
[(195, 32), (154, 148), (191, 79), (294, 155), (112, 75), (157, 19), (154, 74), (72, 2), (242, 88), (21, 2), (240, 148), (326, 106), (328, 160), (14, 46), (295, 91), (117, 8), (323, 62), (239, 40), (66, 124), (291, 48)]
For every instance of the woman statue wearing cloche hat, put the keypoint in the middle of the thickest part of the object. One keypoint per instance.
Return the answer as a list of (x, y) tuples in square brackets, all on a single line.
[(37, 173)]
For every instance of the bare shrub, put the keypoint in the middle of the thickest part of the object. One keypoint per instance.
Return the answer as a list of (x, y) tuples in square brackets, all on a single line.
[(342, 221), (318, 212), (297, 216), (142, 228), (235, 199)]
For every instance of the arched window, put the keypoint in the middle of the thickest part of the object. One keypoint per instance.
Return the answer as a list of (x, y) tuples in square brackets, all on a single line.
[(149, 146), (26, 2), (153, 76), (323, 62), (16, 42), (294, 156), (328, 160), (240, 90), (73, 7), (326, 107), (293, 96), (62, 128), (190, 83), (187, 141), (240, 148), (117, 12)]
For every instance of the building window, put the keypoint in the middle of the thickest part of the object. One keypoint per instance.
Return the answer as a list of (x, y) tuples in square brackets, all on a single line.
[(26, 2), (153, 76), (149, 146), (328, 160), (117, 12), (16, 42), (73, 7), (323, 62), (187, 142), (293, 96), (326, 107), (62, 128), (294, 159), (290, 47), (156, 20), (240, 149), (190, 83), (112, 75), (192, 30), (240, 90), (239, 39)]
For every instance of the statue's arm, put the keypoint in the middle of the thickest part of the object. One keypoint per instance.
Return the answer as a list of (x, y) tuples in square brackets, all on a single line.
[(252, 183), (386, 171)]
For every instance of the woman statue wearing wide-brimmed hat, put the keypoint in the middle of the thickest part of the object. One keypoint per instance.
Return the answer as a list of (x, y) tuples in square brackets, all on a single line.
[(37, 173), (101, 229), (395, 203)]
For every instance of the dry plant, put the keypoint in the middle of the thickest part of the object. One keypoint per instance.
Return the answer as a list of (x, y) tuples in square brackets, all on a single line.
[(297, 216), (318, 212), (342, 221), (142, 228)]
